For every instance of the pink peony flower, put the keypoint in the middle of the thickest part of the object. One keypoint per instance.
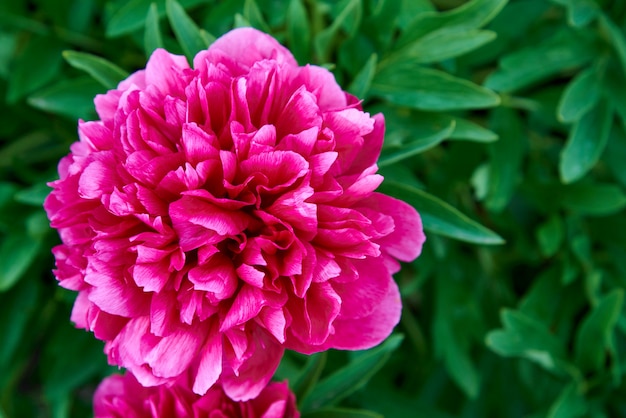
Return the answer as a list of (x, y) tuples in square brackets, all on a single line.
[(123, 397), (215, 216)]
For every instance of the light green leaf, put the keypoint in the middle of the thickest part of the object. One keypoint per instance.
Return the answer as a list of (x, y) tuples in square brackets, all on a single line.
[(594, 335), (526, 337), (152, 38), (103, 71), (363, 80), (341, 413), (580, 95), (586, 142), (415, 147), (408, 84), (445, 43), (253, 14), (439, 217), (465, 130), (72, 98), (298, 31), (471, 15), (569, 404), (187, 33), (520, 69), (350, 378)]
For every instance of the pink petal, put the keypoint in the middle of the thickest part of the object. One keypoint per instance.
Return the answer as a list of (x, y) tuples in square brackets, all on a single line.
[(210, 366)]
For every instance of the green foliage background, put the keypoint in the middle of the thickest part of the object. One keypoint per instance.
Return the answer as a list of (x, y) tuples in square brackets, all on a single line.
[(506, 129)]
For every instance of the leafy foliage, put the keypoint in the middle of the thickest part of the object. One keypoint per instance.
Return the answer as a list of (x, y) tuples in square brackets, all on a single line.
[(506, 128)]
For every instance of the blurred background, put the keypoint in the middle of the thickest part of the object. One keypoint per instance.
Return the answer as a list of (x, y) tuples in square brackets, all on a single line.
[(505, 129)]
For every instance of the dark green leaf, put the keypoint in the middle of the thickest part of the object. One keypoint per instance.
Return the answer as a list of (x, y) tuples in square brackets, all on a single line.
[(616, 37), (593, 199), (586, 143), (37, 65), (415, 147), (190, 37), (152, 36), (341, 413), (252, 13), (594, 334), (298, 31), (471, 15), (580, 12), (350, 378), (17, 252), (34, 195), (103, 71), (439, 217), (408, 84), (350, 11), (363, 80), (72, 98), (569, 404), (309, 376), (550, 236), (465, 130)]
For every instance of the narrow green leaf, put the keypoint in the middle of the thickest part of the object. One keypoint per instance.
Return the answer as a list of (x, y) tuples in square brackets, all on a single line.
[(457, 360), (253, 14), (415, 147), (17, 252), (341, 413), (34, 195), (445, 43), (298, 31), (569, 404), (185, 29), (72, 98), (363, 80), (564, 51), (526, 337), (152, 38), (350, 10), (441, 218), (103, 71), (350, 378), (586, 142), (465, 130), (594, 335), (580, 95), (408, 84), (471, 15), (617, 38), (310, 375)]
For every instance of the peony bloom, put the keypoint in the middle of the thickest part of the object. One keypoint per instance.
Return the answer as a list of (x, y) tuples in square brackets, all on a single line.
[(215, 216), (123, 397)]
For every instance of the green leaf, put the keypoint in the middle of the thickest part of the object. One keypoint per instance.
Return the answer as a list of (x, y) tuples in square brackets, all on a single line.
[(363, 80), (187, 33), (310, 375), (586, 143), (594, 335), (526, 337), (440, 218), (72, 98), (341, 413), (350, 378), (506, 157), (408, 84), (36, 66), (594, 199), (34, 195), (103, 71), (350, 11), (253, 14), (522, 68), (298, 31), (550, 236), (465, 130), (569, 404), (580, 95), (152, 38), (580, 12), (415, 147), (445, 43), (471, 15), (617, 38), (17, 252), (132, 15)]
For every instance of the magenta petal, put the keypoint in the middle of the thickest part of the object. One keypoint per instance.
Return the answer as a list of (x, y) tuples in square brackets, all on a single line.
[(257, 371), (210, 366), (173, 353)]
